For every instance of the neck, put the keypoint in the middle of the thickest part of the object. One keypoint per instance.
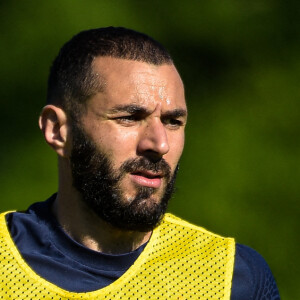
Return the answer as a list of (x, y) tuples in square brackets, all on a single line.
[(84, 226)]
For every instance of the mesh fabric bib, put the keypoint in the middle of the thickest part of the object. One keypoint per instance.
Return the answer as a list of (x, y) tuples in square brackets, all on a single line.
[(180, 261)]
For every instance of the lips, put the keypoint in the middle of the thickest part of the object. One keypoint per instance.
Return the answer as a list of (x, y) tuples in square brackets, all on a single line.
[(147, 178)]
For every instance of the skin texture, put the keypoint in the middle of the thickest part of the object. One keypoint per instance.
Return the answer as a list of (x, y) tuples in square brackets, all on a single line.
[(141, 112)]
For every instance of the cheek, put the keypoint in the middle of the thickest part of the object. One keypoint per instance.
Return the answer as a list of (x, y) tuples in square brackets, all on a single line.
[(176, 148), (126, 136), (120, 145)]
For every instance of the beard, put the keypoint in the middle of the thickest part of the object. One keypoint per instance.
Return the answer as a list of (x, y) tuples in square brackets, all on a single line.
[(99, 185)]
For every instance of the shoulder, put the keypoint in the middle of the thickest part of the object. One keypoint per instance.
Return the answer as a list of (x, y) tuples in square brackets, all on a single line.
[(252, 277), (30, 225), (184, 230), (181, 224)]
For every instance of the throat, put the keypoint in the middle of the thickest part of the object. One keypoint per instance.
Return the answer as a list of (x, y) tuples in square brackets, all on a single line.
[(86, 228), (118, 244)]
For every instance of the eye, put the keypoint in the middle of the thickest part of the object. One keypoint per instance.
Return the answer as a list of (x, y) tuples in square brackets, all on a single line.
[(127, 119), (173, 123)]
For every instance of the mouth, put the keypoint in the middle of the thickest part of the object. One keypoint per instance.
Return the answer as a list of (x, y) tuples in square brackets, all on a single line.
[(147, 178)]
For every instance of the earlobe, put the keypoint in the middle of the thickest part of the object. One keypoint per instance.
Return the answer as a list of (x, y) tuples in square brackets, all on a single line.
[(53, 123)]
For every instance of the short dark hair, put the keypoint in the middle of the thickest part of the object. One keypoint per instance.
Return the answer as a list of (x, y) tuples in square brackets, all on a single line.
[(72, 81)]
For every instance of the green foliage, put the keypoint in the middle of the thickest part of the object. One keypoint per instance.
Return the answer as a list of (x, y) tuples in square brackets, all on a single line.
[(240, 63)]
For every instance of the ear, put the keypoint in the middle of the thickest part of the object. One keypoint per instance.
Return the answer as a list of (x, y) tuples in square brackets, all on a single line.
[(53, 123)]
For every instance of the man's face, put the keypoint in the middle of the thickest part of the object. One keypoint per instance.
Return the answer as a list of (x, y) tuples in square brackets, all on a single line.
[(128, 143)]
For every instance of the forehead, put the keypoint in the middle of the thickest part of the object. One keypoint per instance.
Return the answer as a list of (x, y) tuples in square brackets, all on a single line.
[(127, 81)]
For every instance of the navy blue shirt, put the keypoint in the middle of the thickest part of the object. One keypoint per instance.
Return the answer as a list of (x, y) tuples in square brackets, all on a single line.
[(42, 241)]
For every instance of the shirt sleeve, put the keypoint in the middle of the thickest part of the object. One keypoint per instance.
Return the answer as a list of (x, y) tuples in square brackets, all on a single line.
[(252, 277)]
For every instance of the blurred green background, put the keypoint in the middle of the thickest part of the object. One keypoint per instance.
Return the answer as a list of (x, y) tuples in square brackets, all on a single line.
[(240, 61)]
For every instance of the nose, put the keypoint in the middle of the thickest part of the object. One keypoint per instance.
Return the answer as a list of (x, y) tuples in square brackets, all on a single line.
[(153, 141)]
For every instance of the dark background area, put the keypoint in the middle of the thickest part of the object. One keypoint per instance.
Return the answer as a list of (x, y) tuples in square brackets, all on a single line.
[(240, 62)]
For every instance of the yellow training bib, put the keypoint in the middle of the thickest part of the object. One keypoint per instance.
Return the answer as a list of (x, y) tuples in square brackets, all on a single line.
[(180, 261)]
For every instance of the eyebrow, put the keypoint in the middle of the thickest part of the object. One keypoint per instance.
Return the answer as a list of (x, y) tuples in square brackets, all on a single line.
[(130, 108), (176, 113), (133, 108)]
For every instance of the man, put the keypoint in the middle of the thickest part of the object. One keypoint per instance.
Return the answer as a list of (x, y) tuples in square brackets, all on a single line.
[(115, 116)]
